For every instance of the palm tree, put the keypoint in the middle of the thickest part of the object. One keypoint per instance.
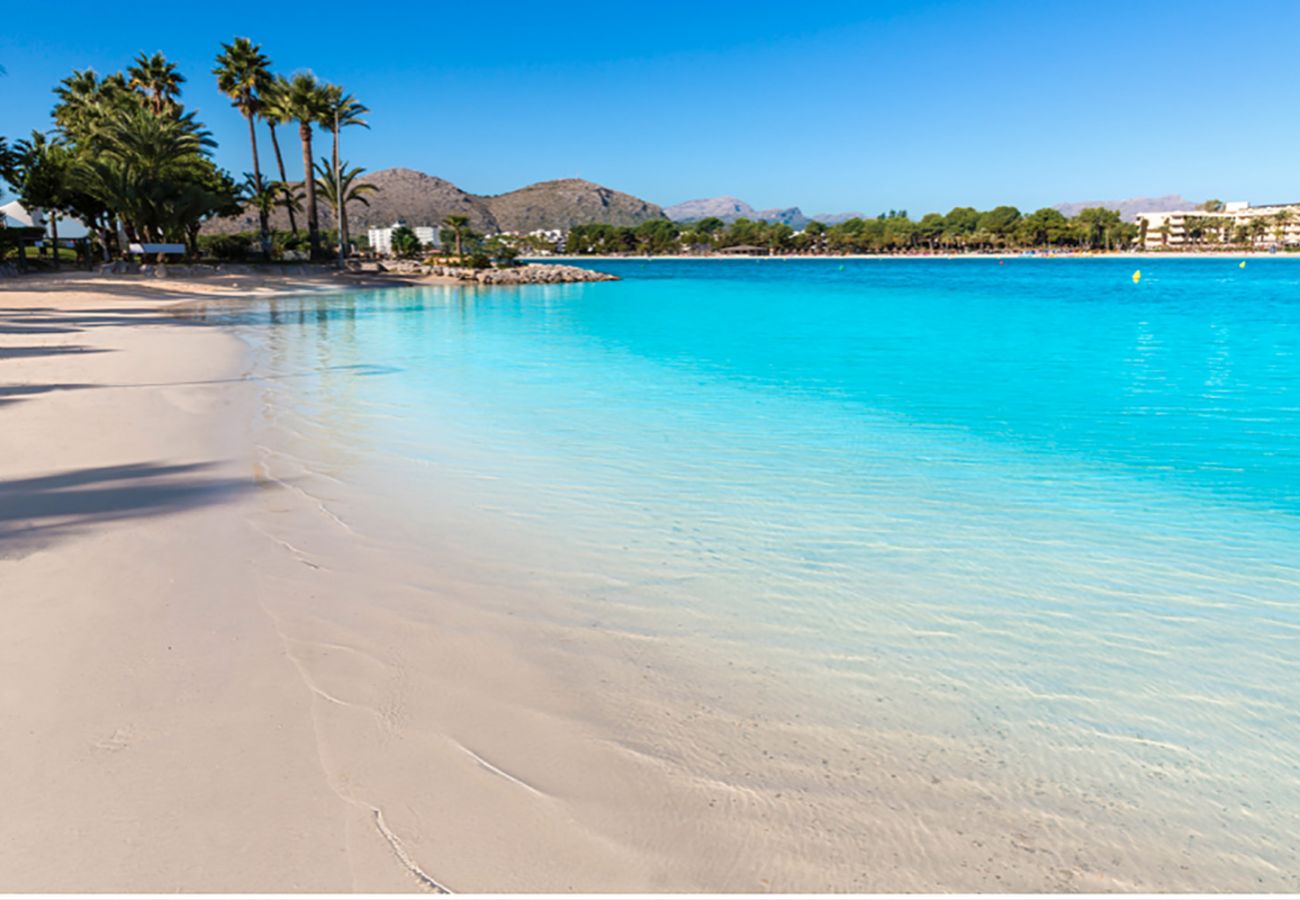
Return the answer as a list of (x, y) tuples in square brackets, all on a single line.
[(1258, 229), (329, 189), (305, 101), (41, 169), (457, 224), (342, 110), (273, 113), (243, 74), (153, 172), (1280, 221), (259, 194), (158, 80)]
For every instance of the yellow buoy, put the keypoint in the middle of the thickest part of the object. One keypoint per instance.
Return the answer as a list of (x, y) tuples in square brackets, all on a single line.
[(1242, 265), (1137, 276)]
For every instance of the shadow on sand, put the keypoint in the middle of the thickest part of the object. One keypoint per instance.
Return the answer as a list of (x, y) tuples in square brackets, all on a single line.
[(36, 512)]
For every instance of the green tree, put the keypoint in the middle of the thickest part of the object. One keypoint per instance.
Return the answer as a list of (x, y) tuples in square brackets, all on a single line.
[(457, 225), (340, 111), (658, 236), (305, 100), (405, 244), (347, 187), (244, 75), (158, 80), (1045, 227), (959, 225), (1000, 222), (1281, 221), (1098, 227), (274, 112), (43, 167)]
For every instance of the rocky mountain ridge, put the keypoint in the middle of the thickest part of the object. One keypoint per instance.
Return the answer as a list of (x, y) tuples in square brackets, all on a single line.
[(420, 199)]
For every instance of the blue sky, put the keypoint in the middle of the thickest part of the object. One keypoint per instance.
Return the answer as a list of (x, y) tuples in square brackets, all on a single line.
[(830, 106)]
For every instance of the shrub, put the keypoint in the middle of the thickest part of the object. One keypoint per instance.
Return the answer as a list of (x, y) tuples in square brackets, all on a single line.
[(228, 247), (405, 244)]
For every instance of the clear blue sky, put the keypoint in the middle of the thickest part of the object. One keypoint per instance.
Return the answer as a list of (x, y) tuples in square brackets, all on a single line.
[(831, 106)]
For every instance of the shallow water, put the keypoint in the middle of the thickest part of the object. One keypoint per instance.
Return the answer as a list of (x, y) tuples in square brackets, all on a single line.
[(1031, 511)]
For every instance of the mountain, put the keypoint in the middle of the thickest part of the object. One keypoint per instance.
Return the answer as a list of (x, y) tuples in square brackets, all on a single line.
[(837, 218), (565, 203), (729, 209), (1127, 209), (793, 216), (419, 199)]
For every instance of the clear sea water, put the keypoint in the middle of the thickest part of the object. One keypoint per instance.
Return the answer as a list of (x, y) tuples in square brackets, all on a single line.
[(1060, 509)]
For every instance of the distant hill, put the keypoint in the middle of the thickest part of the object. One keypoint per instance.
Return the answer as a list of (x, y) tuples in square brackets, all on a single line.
[(565, 203), (837, 218), (729, 209), (419, 199), (1127, 209)]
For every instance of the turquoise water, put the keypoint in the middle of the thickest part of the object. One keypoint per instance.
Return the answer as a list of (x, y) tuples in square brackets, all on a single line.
[(1060, 509)]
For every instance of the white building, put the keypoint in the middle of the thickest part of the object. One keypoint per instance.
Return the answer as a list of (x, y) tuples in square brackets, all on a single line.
[(381, 239), (14, 215), (1239, 223)]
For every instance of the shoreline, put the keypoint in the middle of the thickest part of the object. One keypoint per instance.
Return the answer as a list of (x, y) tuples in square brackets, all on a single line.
[(917, 257), (242, 670)]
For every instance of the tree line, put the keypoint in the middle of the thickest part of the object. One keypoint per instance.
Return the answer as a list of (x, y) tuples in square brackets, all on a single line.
[(125, 155), (962, 229)]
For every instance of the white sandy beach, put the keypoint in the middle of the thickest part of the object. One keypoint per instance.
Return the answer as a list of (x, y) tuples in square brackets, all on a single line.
[(196, 700), (216, 677)]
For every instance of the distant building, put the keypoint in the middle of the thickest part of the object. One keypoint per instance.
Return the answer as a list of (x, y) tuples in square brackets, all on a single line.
[(1274, 224), (555, 237), (14, 215), (381, 239)]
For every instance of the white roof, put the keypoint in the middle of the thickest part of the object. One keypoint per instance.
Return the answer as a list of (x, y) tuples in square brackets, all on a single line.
[(15, 214)]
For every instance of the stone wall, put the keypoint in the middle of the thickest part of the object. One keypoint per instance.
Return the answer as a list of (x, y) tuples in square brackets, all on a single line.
[(534, 273)]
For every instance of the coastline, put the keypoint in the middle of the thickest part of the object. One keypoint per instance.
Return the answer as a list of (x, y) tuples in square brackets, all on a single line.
[(192, 703), (918, 257), (249, 675), (216, 683)]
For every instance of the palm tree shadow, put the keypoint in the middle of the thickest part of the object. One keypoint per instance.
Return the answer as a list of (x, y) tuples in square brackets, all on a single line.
[(38, 512)]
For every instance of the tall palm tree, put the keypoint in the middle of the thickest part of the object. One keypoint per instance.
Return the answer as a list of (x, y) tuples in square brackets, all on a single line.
[(159, 80), (273, 113), (305, 101), (243, 74), (1258, 229), (457, 224), (1280, 221), (345, 186), (342, 111)]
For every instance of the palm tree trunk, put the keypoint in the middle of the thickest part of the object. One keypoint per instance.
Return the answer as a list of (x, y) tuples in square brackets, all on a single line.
[(309, 182), (54, 237), (265, 232), (284, 180), (342, 202)]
